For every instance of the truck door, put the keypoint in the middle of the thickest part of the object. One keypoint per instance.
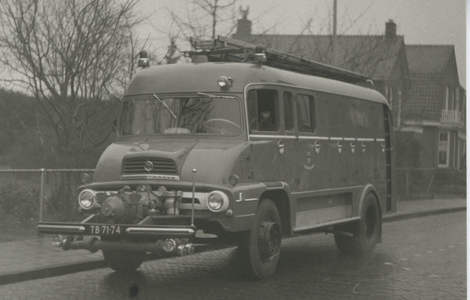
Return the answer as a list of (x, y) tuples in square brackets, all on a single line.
[(268, 160)]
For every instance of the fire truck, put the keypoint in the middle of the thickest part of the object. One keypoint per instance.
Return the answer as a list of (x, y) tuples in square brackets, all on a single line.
[(243, 146)]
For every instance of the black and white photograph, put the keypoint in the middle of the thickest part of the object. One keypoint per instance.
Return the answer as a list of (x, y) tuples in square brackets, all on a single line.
[(233, 149)]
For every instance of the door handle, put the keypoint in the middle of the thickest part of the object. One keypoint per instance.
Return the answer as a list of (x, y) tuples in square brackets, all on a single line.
[(317, 147), (281, 146)]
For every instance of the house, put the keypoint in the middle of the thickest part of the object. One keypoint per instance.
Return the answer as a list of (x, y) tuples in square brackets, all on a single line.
[(434, 114)]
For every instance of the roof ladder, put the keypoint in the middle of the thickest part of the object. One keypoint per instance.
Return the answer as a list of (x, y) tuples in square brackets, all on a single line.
[(232, 50)]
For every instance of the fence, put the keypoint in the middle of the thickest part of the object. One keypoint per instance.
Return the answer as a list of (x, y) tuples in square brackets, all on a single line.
[(415, 183), (30, 195)]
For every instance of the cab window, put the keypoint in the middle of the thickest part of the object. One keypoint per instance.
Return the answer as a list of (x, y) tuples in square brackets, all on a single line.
[(263, 110)]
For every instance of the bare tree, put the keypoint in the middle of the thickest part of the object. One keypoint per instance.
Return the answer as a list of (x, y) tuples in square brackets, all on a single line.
[(206, 18), (71, 55)]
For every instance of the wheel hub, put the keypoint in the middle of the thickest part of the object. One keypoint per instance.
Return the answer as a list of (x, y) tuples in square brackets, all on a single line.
[(269, 240)]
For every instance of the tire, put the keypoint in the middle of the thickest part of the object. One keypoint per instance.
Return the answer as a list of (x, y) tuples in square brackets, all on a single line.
[(366, 232), (123, 261), (260, 248)]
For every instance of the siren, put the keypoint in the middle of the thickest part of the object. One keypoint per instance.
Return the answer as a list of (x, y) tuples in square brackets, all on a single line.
[(143, 59)]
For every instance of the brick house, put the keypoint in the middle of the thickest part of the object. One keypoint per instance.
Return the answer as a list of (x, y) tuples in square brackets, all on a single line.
[(434, 116)]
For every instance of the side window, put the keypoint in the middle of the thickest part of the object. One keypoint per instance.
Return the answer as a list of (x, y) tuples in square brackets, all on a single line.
[(334, 117), (347, 118), (288, 111), (360, 116), (305, 113), (376, 121), (263, 110)]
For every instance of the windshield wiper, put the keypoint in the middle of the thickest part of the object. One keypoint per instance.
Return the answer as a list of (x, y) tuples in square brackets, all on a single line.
[(166, 106), (215, 96)]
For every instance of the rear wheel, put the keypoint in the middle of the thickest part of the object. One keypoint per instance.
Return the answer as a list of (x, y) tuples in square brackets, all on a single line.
[(260, 248), (123, 261), (366, 232)]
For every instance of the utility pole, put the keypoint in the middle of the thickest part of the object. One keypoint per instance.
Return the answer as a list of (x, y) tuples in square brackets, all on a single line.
[(335, 41)]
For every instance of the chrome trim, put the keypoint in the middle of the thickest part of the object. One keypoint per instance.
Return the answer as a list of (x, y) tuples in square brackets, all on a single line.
[(306, 137), (328, 190), (251, 199), (269, 136), (151, 176), (327, 224), (62, 227), (88, 219), (248, 215), (159, 230)]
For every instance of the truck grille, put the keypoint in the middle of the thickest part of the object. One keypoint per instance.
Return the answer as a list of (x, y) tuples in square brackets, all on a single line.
[(163, 166)]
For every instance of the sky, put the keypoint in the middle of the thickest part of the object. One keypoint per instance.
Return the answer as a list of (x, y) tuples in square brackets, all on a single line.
[(430, 22)]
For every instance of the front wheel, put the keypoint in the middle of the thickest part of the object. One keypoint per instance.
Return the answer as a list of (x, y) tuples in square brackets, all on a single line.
[(123, 261), (366, 233), (260, 249)]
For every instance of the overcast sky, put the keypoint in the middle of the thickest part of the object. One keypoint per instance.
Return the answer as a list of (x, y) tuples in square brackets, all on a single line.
[(432, 22)]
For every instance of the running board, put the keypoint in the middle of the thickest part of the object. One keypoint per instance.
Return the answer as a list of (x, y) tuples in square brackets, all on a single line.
[(326, 224)]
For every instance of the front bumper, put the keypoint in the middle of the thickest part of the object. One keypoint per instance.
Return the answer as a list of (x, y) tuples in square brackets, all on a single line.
[(117, 230)]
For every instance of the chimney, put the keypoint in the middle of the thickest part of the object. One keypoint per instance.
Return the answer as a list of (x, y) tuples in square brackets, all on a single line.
[(390, 29), (244, 25)]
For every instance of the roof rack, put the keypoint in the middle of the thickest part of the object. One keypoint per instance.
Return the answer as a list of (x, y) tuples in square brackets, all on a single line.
[(228, 49)]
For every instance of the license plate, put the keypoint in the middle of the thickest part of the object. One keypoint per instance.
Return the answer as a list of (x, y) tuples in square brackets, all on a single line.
[(105, 229)]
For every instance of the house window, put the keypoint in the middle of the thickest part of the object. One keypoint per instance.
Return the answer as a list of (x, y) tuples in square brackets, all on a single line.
[(443, 149), (456, 153), (447, 97), (399, 108)]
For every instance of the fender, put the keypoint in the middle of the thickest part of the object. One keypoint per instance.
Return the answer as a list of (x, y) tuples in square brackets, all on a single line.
[(248, 200), (366, 190), (369, 188)]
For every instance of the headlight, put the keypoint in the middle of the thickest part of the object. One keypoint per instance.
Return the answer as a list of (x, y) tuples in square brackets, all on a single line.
[(217, 202), (86, 199)]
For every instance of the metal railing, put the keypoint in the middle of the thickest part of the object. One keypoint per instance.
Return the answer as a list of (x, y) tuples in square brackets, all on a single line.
[(414, 183), (43, 173), (451, 117)]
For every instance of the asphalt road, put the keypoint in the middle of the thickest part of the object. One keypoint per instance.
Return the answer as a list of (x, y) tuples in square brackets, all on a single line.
[(422, 258)]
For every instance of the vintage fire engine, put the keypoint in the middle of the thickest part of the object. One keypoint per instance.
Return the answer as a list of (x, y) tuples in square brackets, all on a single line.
[(241, 146)]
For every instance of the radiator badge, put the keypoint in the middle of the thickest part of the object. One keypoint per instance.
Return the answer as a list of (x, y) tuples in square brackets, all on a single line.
[(148, 166)]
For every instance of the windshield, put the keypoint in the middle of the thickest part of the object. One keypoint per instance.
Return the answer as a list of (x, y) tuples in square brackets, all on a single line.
[(184, 115)]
